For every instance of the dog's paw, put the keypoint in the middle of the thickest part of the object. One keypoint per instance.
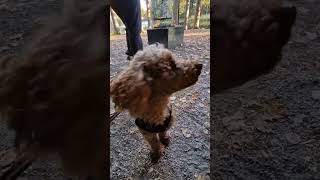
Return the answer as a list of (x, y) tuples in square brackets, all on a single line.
[(155, 156), (165, 141)]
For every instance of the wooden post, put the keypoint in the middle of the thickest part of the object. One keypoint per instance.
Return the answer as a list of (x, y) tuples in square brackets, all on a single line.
[(175, 13)]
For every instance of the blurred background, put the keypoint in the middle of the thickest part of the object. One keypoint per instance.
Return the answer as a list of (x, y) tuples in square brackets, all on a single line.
[(195, 12)]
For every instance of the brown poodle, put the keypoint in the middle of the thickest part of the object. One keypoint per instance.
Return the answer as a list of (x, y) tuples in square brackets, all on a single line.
[(54, 94), (144, 89)]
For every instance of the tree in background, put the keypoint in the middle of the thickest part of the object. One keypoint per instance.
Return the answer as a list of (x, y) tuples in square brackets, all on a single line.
[(179, 8), (114, 22), (191, 8), (164, 8), (196, 23), (205, 4), (186, 15), (148, 5)]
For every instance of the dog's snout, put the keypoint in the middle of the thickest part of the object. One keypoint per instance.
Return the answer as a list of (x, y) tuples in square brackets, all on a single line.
[(198, 68)]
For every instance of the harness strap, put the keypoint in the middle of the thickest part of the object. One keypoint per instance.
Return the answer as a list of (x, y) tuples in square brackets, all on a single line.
[(155, 128)]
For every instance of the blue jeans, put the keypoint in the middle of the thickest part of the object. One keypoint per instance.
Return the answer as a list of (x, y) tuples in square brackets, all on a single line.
[(130, 13)]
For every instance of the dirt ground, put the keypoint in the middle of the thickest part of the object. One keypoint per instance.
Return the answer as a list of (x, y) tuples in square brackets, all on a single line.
[(187, 157), (269, 128)]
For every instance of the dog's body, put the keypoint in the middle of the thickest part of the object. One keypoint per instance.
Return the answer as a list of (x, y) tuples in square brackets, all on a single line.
[(144, 89), (54, 94)]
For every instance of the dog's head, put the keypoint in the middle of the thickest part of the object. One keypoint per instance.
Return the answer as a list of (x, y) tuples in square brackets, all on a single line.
[(153, 73), (162, 72)]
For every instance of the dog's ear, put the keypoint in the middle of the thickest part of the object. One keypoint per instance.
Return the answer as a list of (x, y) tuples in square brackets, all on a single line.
[(130, 94)]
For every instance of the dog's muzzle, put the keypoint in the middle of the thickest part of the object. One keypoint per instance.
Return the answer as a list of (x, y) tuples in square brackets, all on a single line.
[(198, 68)]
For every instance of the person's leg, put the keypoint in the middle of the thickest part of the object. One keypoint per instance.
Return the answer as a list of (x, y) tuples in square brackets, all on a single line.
[(128, 42), (135, 30), (129, 52), (130, 14)]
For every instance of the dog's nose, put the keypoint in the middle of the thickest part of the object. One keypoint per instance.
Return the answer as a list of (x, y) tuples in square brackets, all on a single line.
[(198, 68)]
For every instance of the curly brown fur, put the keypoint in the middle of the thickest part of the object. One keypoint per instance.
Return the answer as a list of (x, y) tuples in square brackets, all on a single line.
[(145, 86), (248, 39), (54, 93)]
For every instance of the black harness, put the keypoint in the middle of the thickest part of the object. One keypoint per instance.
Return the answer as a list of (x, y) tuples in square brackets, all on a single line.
[(155, 128)]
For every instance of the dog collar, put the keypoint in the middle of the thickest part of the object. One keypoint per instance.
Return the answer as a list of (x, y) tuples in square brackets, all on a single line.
[(155, 128)]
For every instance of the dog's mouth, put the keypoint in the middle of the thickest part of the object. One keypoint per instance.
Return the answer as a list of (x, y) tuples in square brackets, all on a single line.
[(192, 73), (194, 70), (186, 74)]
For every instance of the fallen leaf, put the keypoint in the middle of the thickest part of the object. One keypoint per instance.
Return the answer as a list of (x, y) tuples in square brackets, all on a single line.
[(262, 126), (14, 44), (16, 36), (293, 138), (203, 177), (186, 132)]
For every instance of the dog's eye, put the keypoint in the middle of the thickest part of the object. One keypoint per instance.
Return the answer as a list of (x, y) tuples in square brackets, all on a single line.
[(153, 72), (173, 66)]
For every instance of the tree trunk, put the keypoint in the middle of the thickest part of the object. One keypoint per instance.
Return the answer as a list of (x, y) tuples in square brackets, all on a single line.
[(154, 10), (197, 15), (186, 16), (149, 13), (175, 12), (114, 22), (191, 8), (164, 12)]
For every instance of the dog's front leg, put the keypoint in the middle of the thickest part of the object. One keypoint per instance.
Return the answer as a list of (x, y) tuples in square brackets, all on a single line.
[(153, 140), (164, 138)]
